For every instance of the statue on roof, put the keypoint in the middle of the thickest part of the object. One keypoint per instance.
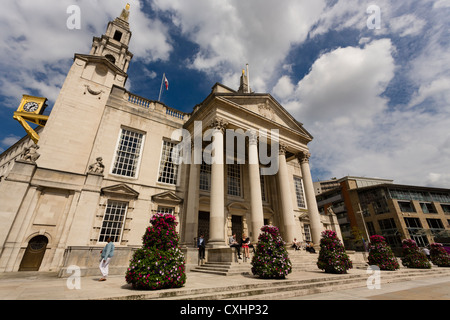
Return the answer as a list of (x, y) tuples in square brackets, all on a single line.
[(125, 13)]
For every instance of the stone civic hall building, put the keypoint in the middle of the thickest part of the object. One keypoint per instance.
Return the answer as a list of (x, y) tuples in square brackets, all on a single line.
[(104, 166)]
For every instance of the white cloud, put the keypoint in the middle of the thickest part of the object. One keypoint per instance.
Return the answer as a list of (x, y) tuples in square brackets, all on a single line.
[(407, 25), (345, 85), (36, 46), (9, 141), (232, 33)]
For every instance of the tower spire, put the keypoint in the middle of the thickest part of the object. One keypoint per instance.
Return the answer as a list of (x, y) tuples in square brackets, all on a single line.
[(245, 85), (125, 13), (113, 45)]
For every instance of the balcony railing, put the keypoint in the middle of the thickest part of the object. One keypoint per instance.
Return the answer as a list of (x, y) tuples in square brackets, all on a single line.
[(142, 102)]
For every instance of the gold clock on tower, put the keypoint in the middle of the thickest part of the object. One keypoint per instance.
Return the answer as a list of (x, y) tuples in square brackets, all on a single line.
[(31, 109)]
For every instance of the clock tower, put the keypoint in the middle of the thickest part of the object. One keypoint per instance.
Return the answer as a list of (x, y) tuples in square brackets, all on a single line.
[(67, 140)]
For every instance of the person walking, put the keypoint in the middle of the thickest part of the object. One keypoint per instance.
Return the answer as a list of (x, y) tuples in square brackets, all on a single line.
[(106, 254)]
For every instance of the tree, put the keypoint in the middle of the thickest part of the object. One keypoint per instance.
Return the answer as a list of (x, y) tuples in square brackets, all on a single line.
[(412, 257), (271, 259), (332, 256), (381, 255), (159, 263), (439, 256)]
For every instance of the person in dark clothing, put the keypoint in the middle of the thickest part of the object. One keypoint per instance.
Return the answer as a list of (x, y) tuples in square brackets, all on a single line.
[(201, 247)]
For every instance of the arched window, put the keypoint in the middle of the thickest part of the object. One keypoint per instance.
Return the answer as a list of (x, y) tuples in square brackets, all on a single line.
[(111, 58)]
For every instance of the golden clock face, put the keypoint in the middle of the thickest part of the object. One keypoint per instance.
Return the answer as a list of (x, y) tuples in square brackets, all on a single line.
[(30, 106)]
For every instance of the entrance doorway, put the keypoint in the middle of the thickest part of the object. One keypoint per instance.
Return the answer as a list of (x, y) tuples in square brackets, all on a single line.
[(236, 227), (203, 225), (34, 254)]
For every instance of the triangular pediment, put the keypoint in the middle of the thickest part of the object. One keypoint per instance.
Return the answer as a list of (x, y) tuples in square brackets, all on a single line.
[(265, 106), (167, 197), (120, 190)]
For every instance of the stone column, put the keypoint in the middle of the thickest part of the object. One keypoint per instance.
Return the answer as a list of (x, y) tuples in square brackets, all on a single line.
[(191, 225), (257, 215), (285, 193), (217, 212), (313, 211)]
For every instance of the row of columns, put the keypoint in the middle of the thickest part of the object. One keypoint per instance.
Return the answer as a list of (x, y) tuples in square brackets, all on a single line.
[(217, 193)]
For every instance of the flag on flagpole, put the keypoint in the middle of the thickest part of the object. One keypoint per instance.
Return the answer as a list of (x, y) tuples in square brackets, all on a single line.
[(165, 82)]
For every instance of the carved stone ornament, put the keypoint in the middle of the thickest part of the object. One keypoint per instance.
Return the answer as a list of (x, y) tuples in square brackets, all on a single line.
[(252, 138), (93, 92), (283, 149), (304, 157), (97, 167), (266, 111), (219, 124), (31, 154)]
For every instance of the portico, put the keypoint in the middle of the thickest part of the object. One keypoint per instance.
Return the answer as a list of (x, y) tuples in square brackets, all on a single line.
[(251, 150)]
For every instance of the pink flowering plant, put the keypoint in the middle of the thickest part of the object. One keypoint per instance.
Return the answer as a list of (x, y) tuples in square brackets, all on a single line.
[(332, 255), (439, 255), (381, 255), (271, 259), (412, 256), (159, 263)]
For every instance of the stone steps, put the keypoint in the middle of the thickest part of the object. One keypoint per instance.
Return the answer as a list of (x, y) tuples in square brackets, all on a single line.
[(280, 289), (301, 261), (224, 268)]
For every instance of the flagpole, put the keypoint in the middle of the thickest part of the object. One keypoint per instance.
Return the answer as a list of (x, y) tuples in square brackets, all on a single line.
[(160, 90)]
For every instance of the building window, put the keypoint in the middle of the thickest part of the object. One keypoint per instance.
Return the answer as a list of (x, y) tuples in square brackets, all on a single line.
[(167, 210), (427, 207), (406, 206), (234, 179), (307, 232), (168, 169), (371, 228), (113, 221), (387, 224), (205, 177), (446, 208), (435, 223), (128, 153), (416, 231), (299, 192), (117, 35), (413, 223)]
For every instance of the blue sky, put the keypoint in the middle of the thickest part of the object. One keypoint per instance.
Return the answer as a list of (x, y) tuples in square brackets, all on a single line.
[(377, 101)]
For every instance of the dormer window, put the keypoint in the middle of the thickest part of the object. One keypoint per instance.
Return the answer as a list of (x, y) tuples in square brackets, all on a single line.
[(117, 35)]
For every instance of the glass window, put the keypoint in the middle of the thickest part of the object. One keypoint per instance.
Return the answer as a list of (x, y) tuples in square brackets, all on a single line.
[(168, 168), (406, 206), (427, 207), (435, 224), (446, 208), (307, 232), (113, 221), (169, 210), (128, 153), (205, 177), (234, 179), (299, 192)]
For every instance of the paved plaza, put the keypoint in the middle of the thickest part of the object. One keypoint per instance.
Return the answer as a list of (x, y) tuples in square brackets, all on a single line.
[(46, 286)]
